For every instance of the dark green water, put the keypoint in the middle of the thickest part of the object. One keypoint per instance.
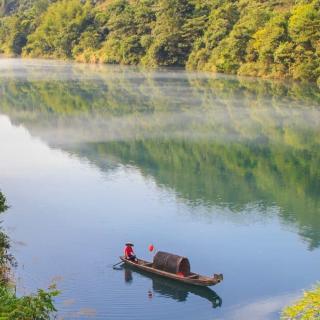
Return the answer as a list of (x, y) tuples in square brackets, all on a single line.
[(223, 170)]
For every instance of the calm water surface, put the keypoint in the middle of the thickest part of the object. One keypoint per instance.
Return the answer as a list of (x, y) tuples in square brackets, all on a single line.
[(223, 170)]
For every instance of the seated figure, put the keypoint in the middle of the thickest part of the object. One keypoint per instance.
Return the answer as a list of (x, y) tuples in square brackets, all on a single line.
[(128, 252)]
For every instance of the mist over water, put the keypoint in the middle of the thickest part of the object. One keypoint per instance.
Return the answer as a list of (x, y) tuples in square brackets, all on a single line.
[(111, 103), (224, 170)]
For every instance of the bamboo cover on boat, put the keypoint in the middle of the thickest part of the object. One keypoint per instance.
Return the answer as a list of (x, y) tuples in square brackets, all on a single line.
[(171, 263)]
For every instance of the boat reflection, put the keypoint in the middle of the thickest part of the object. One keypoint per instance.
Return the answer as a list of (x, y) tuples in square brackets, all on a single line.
[(128, 276), (172, 289)]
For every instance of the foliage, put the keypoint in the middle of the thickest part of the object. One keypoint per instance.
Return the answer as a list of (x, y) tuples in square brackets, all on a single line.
[(307, 308), (304, 30), (129, 26), (10, 7), (14, 29), (221, 21), (60, 28), (262, 47), (33, 307), (6, 259), (170, 39), (271, 38), (3, 205)]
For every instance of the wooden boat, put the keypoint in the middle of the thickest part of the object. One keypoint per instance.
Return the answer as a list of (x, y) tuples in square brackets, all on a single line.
[(189, 277)]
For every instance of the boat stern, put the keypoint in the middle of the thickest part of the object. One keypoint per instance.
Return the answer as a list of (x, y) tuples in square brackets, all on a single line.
[(218, 277)]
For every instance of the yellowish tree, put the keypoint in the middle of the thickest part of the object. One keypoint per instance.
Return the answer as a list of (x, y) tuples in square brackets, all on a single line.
[(307, 308)]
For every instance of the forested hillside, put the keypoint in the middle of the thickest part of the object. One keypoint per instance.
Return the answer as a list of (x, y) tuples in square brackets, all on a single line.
[(270, 38)]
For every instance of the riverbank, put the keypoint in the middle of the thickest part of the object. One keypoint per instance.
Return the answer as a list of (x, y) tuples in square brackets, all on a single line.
[(276, 39)]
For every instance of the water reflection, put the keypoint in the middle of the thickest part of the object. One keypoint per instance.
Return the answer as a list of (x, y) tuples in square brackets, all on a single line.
[(190, 161), (171, 289), (214, 140), (230, 175), (127, 275)]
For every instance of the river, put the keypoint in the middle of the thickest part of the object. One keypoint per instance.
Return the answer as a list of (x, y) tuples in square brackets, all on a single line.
[(221, 169)]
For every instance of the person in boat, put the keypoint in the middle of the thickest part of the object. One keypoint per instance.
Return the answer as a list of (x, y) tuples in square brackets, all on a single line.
[(129, 253)]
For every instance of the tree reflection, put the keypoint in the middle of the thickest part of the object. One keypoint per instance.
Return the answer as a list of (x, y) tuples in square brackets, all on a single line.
[(214, 140)]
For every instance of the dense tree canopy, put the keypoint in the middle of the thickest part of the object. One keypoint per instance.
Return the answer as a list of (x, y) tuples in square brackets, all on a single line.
[(279, 39)]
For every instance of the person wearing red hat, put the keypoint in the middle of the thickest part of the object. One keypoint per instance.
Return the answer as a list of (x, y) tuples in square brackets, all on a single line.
[(129, 253)]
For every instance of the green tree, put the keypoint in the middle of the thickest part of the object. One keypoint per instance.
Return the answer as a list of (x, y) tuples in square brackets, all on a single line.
[(304, 29), (60, 29), (15, 29), (33, 307), (3, 204), (169, 45), (260, 56), (231, 51), (129, 26), (221, 21)]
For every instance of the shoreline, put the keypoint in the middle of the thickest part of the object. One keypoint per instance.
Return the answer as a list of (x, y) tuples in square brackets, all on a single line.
[(143, 68)]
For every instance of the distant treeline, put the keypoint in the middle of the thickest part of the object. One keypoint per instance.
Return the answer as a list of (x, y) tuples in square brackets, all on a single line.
[(269, 38)]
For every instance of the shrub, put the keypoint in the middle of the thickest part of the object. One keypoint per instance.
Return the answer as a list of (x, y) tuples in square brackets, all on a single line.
[(307, 308)]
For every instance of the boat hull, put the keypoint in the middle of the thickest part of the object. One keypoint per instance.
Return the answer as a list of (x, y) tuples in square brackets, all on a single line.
[(193, 279)]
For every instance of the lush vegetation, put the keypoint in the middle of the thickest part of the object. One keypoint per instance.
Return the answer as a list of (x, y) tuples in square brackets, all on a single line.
[(3, 205), (307, 308), (33, 307), (6, 259), (271, 38)]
